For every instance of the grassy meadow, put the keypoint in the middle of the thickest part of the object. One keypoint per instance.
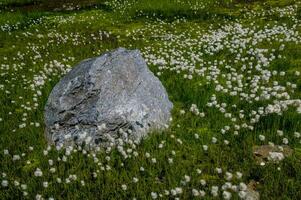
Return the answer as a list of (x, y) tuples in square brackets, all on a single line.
[(232, 69)]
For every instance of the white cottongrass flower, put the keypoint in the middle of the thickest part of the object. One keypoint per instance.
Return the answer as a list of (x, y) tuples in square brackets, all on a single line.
[(285, 141), (154, 195), (16, 183), (173, 192), (38, 172), (261, 137), (4, 183), (166, 192), (226, 142), (39, 197), (227, 195), (52, 170), (23, 186), (219, 170), (214, 191), (195, 192), (187, 178), (6, 152), (202, 193), (45, 152), (182, 112), (243, 186), (58, 180), (50, 162), (279, 132), (179, 190), (242, 194), (82, 182), (123, 187), (239, 175), (45, 184), (296, 134), (228, 176), (135, 180), (16, 157)]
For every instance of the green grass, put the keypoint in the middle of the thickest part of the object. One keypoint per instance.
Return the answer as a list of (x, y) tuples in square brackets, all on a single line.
[(31, 39)]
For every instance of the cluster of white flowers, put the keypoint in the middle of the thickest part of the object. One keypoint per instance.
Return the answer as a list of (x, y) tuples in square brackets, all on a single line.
[(194, 109), (38, 172)]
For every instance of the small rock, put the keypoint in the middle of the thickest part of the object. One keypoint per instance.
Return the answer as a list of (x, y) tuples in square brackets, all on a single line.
[(269, 153), (251, 193)]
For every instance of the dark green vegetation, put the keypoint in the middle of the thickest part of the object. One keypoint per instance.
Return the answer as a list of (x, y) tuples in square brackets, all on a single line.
[(39, 40)]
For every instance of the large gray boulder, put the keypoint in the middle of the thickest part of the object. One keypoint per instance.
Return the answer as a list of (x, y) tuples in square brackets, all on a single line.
[(104, 98)]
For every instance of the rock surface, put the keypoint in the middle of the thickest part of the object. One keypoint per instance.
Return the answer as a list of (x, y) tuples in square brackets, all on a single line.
[(268, 153), (251, 193), (104, 98)]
